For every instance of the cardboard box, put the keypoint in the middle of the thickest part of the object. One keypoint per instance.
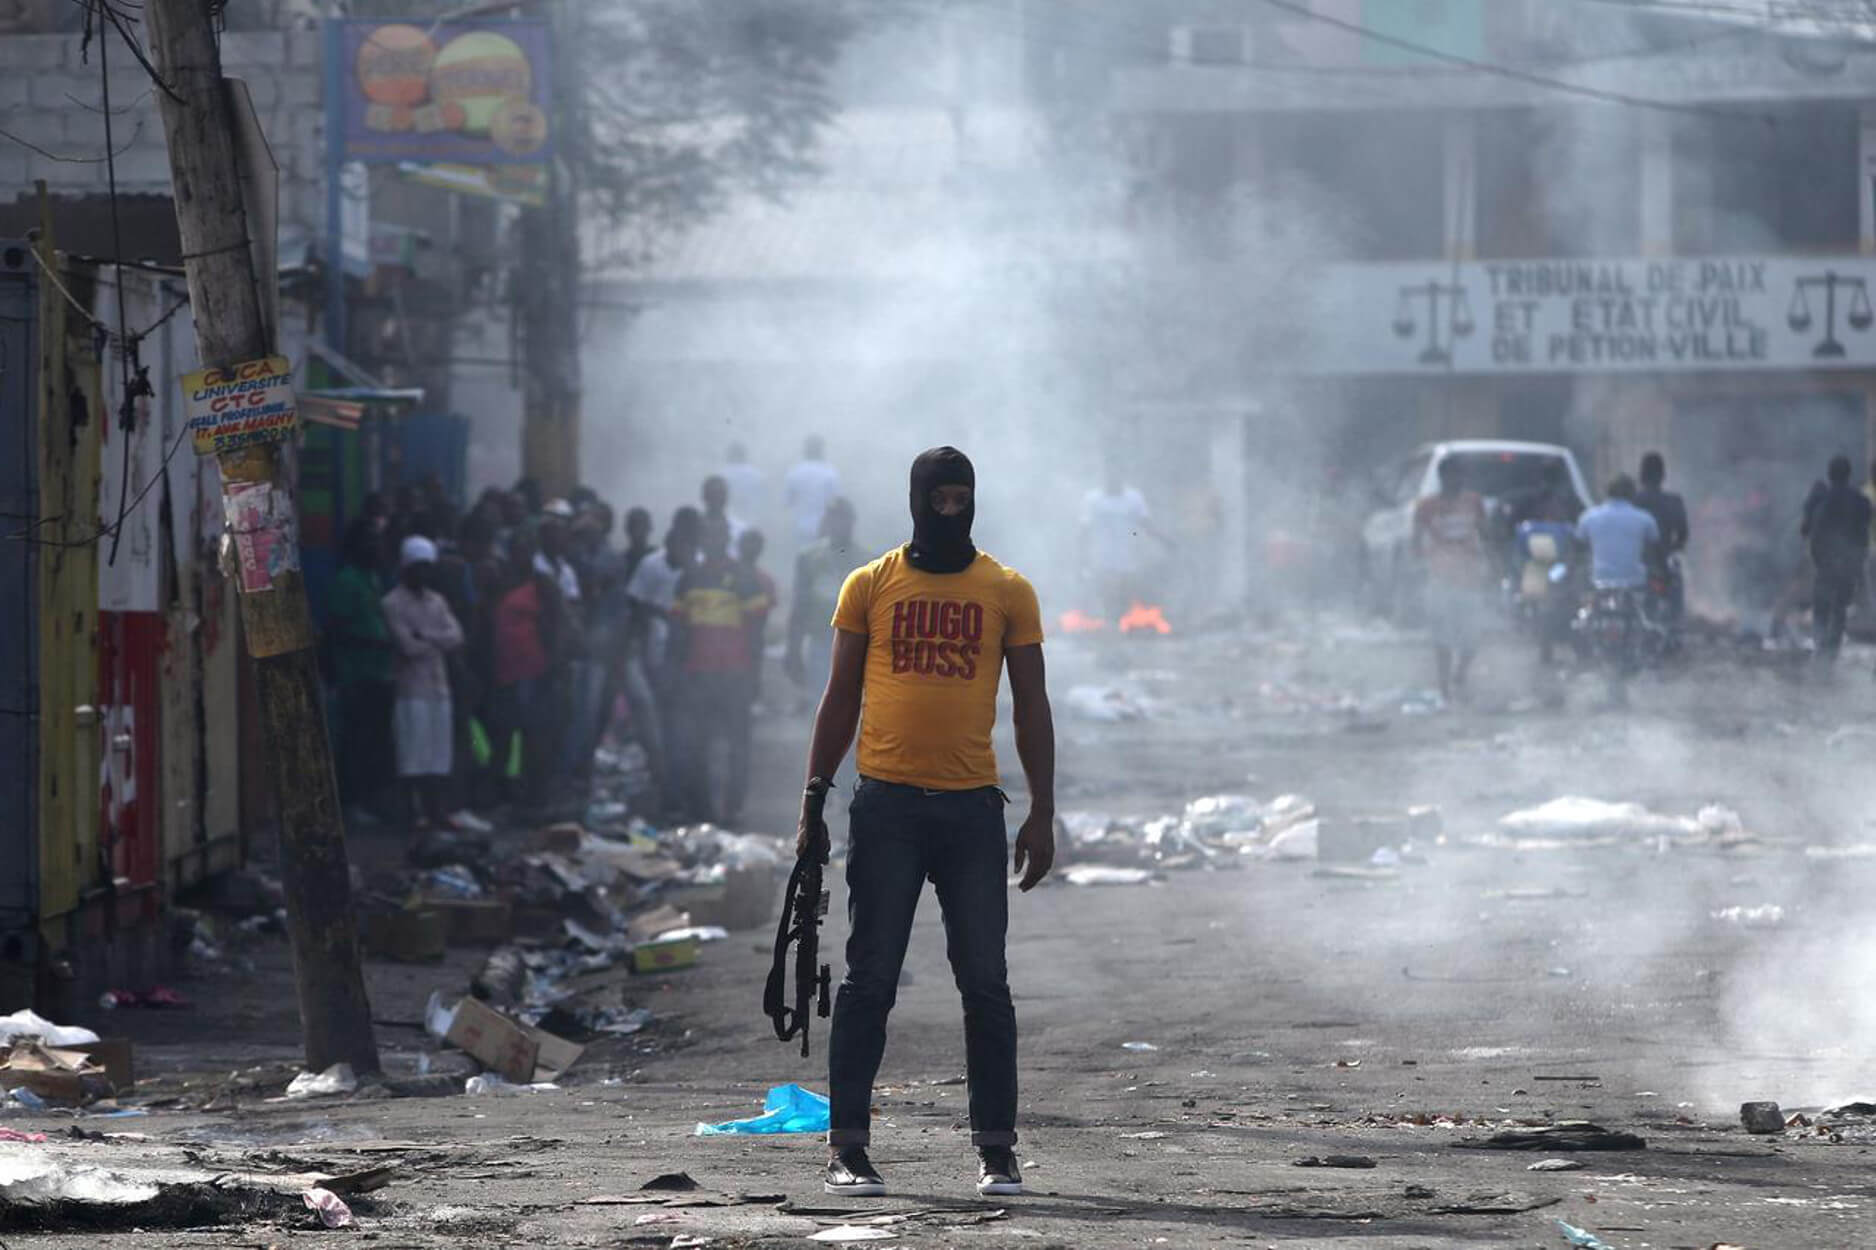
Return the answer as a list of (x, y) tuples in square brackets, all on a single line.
[(646, 926), (61, 1075), (520, 1054), (410, 935), (114, 1055), (475, 921), (664, 956)]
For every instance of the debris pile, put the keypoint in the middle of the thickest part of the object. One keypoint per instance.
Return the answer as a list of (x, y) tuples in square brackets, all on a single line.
[(569, 919), (43, 1064), (1575, 821), (1230, 830)]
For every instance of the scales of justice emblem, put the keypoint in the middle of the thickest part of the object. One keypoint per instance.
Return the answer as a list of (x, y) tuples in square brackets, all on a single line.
[(1441, 334), (1858, 315)]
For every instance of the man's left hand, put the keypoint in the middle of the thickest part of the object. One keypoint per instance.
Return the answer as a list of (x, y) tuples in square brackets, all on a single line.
[(1035, 849)]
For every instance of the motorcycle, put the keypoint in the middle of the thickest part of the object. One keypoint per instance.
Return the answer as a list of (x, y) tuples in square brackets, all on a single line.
[(1622, 627), (1540, 588)]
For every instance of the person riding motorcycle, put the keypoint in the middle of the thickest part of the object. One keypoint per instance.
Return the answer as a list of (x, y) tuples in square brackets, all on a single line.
[(1619, 536), (1670, 513)]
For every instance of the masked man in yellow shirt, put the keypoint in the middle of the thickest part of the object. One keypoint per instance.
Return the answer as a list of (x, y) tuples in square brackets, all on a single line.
[(922, 636)]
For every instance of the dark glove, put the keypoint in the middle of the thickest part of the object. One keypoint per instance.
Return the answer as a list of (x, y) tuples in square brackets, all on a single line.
[(811, 833)]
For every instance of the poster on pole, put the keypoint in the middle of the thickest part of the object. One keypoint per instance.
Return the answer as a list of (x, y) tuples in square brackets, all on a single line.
[(466, 93), (237, 407)]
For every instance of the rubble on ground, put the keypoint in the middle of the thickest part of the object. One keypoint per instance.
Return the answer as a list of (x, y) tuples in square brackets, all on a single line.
[(1576, 821), (1230, 830)]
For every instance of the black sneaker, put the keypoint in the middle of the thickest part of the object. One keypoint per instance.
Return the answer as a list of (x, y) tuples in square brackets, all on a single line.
[(997, 1172), (851, 1172)]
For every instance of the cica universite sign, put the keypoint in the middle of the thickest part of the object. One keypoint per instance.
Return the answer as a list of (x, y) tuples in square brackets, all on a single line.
[(1671, 314), (232, 408)]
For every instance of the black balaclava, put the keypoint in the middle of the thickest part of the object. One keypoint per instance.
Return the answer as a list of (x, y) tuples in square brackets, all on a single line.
[(941, 544)]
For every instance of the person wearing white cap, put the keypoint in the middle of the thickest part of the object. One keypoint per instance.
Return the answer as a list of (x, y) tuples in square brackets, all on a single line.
[(423, 630)]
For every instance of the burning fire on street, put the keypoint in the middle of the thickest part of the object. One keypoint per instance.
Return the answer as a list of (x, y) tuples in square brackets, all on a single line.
[(1141, 618)]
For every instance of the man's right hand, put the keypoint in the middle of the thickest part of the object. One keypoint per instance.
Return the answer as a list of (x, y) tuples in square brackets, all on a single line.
[(811, 831)]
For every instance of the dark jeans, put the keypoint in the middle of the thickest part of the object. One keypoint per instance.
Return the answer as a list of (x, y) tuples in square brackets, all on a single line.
[(900, 836), (1831, 595), (364, 749)]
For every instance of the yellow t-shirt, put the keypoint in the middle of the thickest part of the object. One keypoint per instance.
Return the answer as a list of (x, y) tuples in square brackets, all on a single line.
[(934, 658)]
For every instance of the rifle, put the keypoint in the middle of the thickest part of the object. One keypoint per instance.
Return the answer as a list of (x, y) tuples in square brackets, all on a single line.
[(804, 904)]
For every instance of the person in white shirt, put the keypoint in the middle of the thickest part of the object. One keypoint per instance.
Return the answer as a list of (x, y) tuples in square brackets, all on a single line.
[(748, 486), (423, 632), (1115, 521), (650, 680), (809, 487)]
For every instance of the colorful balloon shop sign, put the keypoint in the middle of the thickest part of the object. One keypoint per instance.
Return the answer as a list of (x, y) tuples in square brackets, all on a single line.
[(473, 93)]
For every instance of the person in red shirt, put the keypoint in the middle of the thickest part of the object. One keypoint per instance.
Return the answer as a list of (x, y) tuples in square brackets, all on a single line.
[(1449, 540), (716, 632), (526, 625)]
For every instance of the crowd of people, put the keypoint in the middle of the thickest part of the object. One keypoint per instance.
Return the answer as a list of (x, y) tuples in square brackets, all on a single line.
[(480, 659)]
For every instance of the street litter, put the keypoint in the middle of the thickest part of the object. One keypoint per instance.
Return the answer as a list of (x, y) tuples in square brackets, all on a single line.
[(329, 1207), (1104, 874), (27, 1025), (1109, 704), (437, 1018), (1149, 1135), (160, 997), (1138, 1046), (1764, 916), (1567, 1135), (1575, 820), (1582, 1238), (842, 1233), (491, 1085), (673, 1182), (1761, 1117), (30, 1177), (1556, 1165), (1335, 1161), (338, 1079), (787, 1109), (1213, 831), (55, 1075), (515, 1051)]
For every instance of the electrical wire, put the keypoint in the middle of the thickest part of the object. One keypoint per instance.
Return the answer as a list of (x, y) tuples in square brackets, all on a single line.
[(127, 349), (103, 531), (1496, 70)]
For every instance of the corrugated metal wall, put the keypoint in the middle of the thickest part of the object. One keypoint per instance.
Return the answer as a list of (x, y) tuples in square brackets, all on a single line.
[(19, 626), (70, 409)]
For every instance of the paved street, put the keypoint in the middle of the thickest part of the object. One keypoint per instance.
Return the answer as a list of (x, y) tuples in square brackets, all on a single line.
[(1289, 1014)]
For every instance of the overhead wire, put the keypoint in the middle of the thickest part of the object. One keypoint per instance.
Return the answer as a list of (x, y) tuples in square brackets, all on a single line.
[(1386, 71), (133, 376), (1498, 70)]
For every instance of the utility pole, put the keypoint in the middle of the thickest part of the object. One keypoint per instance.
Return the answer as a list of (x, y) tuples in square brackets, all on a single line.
[(335, 1018), (547, 301)]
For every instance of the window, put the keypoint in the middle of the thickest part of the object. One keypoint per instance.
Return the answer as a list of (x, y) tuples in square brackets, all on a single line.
[(1385, 173), (1558, 183), (1766, 180)]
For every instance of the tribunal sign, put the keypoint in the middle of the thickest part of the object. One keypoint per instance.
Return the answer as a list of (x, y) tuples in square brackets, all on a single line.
[(1673, 314)]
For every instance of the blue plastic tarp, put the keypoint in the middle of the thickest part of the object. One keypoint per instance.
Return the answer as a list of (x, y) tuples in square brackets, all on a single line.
[(788, 1109)]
